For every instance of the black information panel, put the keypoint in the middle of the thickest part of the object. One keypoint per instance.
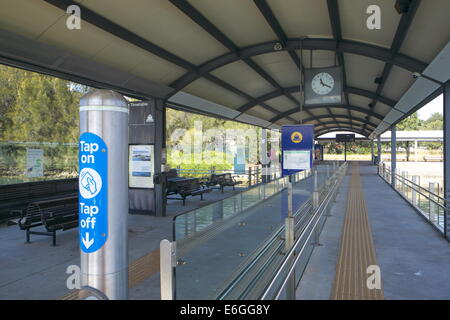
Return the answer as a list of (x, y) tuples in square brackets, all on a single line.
[(347, 137)]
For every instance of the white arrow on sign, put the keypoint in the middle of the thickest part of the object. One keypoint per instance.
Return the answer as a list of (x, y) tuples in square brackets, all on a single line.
[(87, 243)]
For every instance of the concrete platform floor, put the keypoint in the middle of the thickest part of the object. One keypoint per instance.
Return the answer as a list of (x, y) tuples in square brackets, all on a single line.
[(37, 270), (413, 257)]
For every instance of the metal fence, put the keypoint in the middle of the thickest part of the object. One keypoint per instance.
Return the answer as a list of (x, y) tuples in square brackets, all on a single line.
[(249, 177), (427, 201), (274, 269)]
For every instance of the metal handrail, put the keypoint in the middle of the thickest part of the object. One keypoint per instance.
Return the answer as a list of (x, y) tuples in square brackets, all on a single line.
[(429, 197), (402, 179), (265, 248), (441, 207), (399, 177), (267, 245), (168, 266), (301, 239)]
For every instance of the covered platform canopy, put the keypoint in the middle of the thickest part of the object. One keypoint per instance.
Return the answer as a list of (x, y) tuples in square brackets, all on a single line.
[(241, 60), (421, 135)]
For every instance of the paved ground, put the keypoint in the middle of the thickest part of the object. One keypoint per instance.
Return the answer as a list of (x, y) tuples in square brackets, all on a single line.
[(413, 257), (37, 270)]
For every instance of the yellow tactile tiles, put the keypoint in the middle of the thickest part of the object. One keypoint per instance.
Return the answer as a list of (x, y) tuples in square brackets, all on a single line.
[(138, 271), (357, 251)]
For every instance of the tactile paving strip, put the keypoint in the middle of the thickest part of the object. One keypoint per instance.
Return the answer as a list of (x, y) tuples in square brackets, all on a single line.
[(357, 251), (138, 271)]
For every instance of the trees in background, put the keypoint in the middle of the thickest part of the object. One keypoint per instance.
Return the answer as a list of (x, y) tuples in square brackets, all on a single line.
[(413, 123), (38, 108)]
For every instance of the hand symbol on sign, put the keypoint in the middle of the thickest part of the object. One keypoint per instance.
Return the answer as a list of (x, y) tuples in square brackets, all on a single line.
[(88, 183)]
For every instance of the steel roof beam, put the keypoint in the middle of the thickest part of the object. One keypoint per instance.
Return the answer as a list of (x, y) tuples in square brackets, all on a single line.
[(341, 128), (345, 46), (400, 35), (333, 12), (279, 92), (210, 28), (355, 108), (340, 116), (274, 24)]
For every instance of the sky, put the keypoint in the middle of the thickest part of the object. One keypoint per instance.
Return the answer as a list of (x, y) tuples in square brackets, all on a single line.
[(433, 106)]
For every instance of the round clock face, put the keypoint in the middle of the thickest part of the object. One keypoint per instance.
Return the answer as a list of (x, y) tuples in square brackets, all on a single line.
[(322, 83)]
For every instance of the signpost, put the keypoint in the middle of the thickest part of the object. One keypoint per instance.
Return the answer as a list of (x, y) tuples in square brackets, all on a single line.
[(346, 137), (297, 144)]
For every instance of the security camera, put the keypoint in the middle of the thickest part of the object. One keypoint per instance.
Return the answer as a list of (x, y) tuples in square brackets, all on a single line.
[(416, 75), (277, 46)]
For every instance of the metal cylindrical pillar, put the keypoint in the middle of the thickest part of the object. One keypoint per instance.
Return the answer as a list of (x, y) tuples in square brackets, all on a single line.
[(104, 113)]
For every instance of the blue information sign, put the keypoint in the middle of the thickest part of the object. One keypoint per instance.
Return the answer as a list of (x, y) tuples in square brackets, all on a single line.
[(93, 192), (297, 145)]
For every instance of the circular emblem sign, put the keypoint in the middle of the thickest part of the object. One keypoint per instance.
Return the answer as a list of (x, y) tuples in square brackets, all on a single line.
[(296, 137)]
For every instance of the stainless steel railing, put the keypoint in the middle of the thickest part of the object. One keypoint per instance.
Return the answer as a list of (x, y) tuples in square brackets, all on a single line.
[(253, 278), (289, 273), (427, 202)]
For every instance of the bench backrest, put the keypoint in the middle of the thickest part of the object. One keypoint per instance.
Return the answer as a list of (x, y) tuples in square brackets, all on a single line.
[(188, 185), (172, 173), (30, 190), (217, 178)]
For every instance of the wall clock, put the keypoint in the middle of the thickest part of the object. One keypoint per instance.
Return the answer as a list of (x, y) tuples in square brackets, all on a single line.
[(323, 86)]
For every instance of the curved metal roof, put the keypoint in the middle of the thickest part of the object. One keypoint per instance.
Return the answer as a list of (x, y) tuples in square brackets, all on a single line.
[(238, 59)]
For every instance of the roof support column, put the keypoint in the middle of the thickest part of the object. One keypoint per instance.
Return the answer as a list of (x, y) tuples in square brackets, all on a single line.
[(393, 154), (371, 152), (447, 156), (379, 148), (264, 159)]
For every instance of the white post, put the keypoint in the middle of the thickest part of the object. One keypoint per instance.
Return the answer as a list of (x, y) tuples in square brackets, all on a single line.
[(432, 205), (167, 261), (415, 180), (415, 151)]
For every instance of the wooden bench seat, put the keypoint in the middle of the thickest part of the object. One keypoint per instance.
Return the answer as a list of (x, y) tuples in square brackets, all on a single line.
[(54, 215)]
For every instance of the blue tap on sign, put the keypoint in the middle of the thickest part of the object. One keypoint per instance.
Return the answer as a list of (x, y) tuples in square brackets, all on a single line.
[(93, 192)]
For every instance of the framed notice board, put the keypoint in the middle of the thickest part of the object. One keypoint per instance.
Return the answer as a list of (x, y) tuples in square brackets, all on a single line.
[(141, 166)]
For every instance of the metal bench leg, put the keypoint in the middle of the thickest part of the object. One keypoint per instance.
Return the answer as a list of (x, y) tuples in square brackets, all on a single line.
[(184, 201), (54, 238), (28, 236), (201, 196)]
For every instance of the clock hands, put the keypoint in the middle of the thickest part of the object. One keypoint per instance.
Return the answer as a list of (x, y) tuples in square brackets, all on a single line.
[(323, 84)]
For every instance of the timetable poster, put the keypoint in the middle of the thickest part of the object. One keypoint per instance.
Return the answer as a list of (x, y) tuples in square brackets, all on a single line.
[(297, 145), (141, 166)]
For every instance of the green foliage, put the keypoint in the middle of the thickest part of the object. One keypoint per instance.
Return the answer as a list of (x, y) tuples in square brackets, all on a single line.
[(35, 107), (435, 122), (412, 123), (208, 160)]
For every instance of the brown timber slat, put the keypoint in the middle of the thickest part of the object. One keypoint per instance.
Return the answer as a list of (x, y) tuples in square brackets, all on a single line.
[(138, 271)]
